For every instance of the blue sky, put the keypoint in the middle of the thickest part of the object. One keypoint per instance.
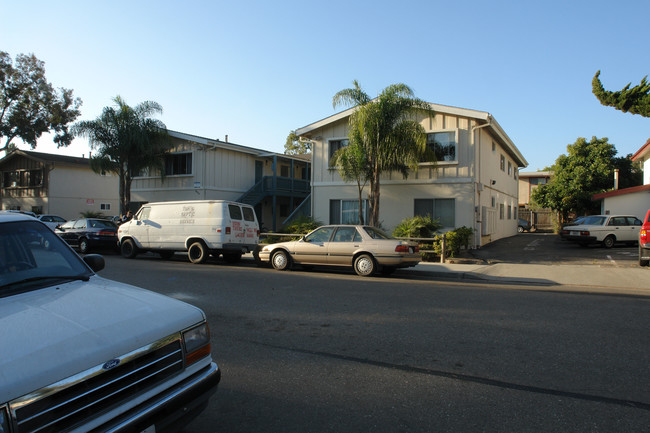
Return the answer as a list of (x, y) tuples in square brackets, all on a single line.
[(256, 70)]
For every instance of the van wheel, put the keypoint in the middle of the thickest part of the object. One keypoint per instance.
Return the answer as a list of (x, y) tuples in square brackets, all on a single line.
[(232, 257), (364, 265), (128, 249), (83, 246), (608, 242), (197, 252), (280, 260)]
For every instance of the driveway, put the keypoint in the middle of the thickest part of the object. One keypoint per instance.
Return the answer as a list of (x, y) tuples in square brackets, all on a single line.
[(550, 249)]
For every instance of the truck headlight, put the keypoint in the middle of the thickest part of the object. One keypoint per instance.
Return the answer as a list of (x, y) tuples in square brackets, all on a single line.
[(4, 420), (197, 343)]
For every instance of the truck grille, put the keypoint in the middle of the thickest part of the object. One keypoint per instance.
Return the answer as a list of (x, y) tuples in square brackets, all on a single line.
[(65, 404)]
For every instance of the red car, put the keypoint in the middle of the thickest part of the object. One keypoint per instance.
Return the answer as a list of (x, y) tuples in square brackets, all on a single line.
[(644, 241)]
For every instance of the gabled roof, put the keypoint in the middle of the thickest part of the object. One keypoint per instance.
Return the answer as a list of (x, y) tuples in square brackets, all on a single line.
[(481, 116), (47, 157), (645, 149), (216, 143)]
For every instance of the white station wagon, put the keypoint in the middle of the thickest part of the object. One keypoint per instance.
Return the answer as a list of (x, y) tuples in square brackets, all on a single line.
[(82, 353), (604, 229)]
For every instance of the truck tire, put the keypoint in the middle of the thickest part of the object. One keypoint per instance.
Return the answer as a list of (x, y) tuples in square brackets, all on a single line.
[(197, 252), (128, 249)]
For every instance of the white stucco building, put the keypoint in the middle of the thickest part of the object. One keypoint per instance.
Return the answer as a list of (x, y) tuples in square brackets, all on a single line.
[(474, 183)]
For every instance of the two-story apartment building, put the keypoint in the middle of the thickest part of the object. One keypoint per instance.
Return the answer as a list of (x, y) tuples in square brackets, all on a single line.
[(528, 182), (199, 168), (46, 183), (474, 184)]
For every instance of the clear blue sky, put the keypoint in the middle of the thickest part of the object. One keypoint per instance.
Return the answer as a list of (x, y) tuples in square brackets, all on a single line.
[(256, 70)]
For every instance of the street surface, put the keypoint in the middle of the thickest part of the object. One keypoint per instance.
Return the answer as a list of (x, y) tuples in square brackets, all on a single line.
[(328, 351)]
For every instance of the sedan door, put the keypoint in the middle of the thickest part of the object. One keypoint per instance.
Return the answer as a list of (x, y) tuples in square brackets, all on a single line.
[(344, 243), (313, 247), (622, 230)]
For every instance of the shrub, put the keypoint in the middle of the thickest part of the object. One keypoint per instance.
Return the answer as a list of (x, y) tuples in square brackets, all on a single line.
[(416, 227), (455, 240)]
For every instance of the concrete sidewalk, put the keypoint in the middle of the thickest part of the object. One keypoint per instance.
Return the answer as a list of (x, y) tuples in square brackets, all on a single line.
[(632, 280)]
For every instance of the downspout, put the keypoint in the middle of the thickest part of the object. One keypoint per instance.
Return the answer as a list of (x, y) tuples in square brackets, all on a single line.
[(477, 197)]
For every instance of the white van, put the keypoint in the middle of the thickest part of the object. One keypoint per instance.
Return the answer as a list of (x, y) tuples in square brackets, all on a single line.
[(200, 227)]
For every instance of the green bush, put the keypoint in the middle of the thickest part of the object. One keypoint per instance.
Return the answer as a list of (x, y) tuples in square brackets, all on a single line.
[(455, 240), (416, 227)]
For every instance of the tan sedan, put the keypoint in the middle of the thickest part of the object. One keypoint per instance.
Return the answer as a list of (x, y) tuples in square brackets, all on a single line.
[(365, 248)]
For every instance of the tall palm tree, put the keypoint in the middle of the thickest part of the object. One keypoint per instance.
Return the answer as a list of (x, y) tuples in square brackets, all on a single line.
[(128, 140), (388, 131)]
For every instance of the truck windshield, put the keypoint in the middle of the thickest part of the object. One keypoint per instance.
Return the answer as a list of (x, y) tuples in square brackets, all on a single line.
[(32, 256)]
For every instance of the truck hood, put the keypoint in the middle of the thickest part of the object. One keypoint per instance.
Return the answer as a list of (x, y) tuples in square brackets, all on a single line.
[(53, 333)]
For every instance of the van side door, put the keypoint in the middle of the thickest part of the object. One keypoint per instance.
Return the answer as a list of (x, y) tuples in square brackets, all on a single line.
[(138, 227)]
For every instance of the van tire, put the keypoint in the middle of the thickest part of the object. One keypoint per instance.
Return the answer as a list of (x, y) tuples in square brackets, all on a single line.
[(231, 257), (128, 249), (281, 260), (197, 252)]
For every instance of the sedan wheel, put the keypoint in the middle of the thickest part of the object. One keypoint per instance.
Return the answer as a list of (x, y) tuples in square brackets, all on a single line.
[(280, 260), (83, 246), (364, 265), (608, 242)]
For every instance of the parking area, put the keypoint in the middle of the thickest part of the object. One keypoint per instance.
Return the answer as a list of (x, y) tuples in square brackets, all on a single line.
[(551, 249)]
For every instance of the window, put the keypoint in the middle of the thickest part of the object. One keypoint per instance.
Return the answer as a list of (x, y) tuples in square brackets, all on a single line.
[(509, 212), (443, 144), (322, 234), (347, 211), (503, 163), (284, 171), (235, 212), (249, 215), (494, 147), (442, 209), (509, 168), (336, 145), (178, 163), (494, 202), (105, 206), (501, 211), (346, 234)]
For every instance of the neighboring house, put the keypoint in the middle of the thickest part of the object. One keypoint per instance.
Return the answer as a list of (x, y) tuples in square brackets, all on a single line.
[(630, 201), (528, 182), (199, 168), (474, 183), (47, 183)]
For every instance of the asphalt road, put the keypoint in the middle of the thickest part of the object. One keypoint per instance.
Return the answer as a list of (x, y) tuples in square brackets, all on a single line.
[(328, 351)]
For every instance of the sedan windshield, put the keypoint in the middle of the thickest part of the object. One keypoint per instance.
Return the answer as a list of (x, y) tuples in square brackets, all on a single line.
[(32, 256)]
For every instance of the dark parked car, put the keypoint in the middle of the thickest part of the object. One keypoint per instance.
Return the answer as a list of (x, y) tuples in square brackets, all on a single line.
[(89, 233), (523, 226)]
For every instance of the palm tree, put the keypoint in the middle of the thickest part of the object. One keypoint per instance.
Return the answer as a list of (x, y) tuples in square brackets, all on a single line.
[(127, 140), (387, 130), (352, 164)]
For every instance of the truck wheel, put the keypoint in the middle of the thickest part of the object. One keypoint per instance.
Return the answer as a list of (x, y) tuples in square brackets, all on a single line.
[(232, 257), (364, 265), (197, 252), (128, 249), (83, 246), (608, 242), (280, 260), (642, 262)]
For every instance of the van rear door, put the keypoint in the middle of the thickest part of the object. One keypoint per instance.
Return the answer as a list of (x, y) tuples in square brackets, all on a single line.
[(251, 225), (237, 227)]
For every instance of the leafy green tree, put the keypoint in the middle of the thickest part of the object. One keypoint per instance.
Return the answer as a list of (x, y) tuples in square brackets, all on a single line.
[(387, 130), (29, 105), (128, 141), (635, 100), (586, 170), (352, 164), (629, 173), (296, 146)]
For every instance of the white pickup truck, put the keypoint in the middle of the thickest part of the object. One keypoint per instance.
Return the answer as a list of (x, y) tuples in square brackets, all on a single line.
[(81, 353)]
